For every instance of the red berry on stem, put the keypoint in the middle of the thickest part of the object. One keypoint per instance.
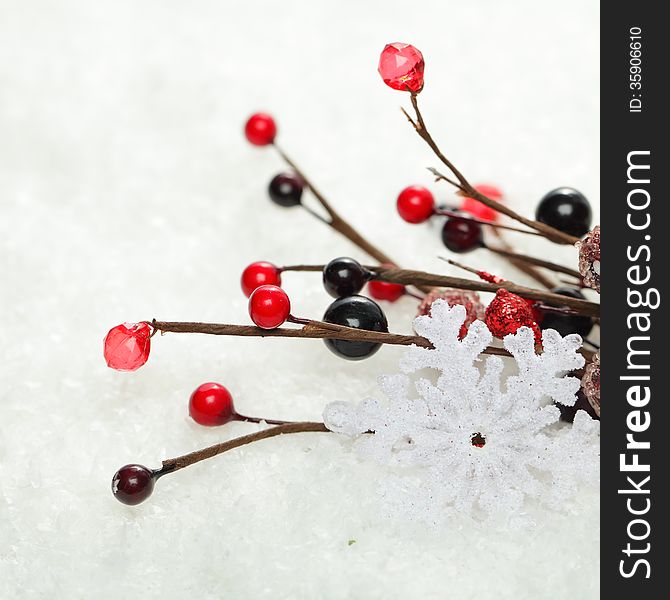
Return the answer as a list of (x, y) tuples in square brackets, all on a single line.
[(132, 484), (211, 404), (460, 235), (127, 346), (260, 129), (258, 274), (383, 290), (401, 67), (480, 210), (269, 306), (415, 204)]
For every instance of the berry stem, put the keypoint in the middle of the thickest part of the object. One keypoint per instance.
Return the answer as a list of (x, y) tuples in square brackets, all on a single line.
[(446, 212), (171, 465), (247, 419), (468, 190), (315, 330), (336, 221), (536, 261)]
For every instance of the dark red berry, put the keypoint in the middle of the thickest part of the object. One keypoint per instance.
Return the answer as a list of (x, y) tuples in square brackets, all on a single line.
[(565, 209), (358, 312), (461, 235), (132, 484), (211, 404), (260, 129), (269, 306), (285, 189), (258, 274), (344, 277), (415, 204)]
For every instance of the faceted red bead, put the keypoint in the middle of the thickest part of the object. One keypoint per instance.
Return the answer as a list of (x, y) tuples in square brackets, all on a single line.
[(401, 67), (211, 404), (269, 306), (127, 346), (260, 129), (477, 209), (258, 274), (415, 204)]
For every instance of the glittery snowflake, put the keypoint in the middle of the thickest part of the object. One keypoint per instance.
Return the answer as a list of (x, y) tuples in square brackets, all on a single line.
[(466, 443)]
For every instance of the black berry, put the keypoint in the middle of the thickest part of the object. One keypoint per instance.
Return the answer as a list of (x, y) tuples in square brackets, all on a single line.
[(568, 412), (132, 484), (285, 189), (461, 235), (358, 312), (344, 277), (565, 209), (566, 324)]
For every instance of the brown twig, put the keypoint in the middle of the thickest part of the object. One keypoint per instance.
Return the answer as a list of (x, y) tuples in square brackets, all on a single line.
[(410, 277), (468, 190), (335, 219), (312, 330), (521, 265), (171, 465), (536, 261), (447, 212)]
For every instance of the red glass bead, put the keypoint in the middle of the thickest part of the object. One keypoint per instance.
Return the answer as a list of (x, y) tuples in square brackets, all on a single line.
[(269, 306), (258, 274), (415, 204), (127, 346), (507, 312), (211, 404), (477, 209), (260, 129), (401, 67), (132, 484)]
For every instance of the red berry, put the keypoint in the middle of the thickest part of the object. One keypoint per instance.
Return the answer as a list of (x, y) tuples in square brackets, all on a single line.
[(132, 484), (415, 204), (477, 209), (260, 129), (211, 404), (383, 290), (127, 346), (258, 274), (401, 67), (269, 306), (507, 312)]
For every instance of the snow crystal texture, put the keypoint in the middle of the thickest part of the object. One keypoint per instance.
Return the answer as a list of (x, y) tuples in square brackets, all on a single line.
[(127, 192)]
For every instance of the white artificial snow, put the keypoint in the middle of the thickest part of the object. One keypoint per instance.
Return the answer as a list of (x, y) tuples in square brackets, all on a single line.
[(127, 192), (521, 457)]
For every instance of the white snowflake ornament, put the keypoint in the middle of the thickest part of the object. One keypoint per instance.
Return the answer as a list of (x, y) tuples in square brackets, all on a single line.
[(466, 444)]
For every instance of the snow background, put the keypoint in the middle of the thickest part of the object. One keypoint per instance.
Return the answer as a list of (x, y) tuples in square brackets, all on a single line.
[(128, 192)]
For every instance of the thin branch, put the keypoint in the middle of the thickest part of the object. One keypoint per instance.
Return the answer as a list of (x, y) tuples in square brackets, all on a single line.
[(446, 212), (537, 262), (468, 190), (312, 330), (410, 277), (171, 465)]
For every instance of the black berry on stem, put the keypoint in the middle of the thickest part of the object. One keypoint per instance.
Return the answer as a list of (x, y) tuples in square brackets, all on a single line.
[(565, 209), (344, 277), (462, 235), (285, 190), (567, 323), (357, 312)]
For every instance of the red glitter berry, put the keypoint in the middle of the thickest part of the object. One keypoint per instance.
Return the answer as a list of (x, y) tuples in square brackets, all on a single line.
[(127, 346), (474, 309), (415, 204), (211, 404), (258, 274), (480, 210), (269, 306), (401, 67), (507, 312), (260, 129)]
